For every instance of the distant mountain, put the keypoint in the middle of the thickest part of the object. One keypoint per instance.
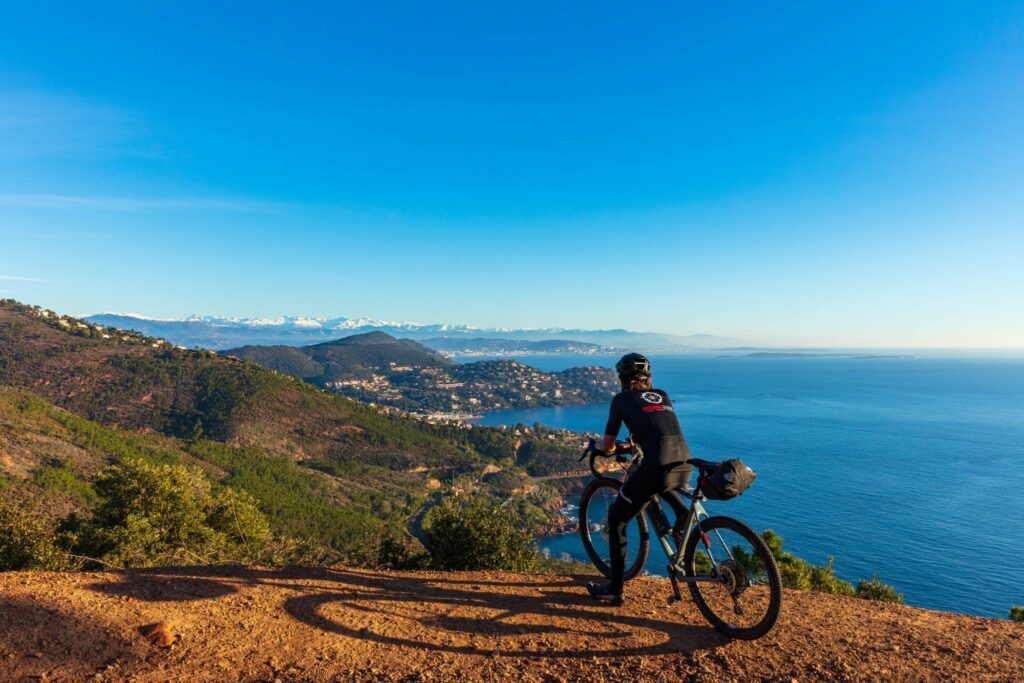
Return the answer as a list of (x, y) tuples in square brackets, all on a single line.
[(223, 333), (375, 367), (485, 346)]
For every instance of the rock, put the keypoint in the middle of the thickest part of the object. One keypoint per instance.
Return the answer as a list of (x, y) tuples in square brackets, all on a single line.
[(158, 634)]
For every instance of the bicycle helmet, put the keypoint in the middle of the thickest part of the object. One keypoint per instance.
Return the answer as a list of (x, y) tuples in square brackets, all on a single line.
[(633, 365)]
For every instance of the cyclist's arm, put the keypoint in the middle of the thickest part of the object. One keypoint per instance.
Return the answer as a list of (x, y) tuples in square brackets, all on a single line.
[(613, 426)]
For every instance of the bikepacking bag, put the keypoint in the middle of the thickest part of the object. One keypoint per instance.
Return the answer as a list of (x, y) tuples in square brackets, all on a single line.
[(728, 480)]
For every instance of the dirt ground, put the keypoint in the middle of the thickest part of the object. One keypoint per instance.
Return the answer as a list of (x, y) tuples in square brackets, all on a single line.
[(252, 624)]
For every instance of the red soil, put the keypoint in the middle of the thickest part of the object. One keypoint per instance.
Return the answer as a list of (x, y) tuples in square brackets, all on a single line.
[(242, 624)]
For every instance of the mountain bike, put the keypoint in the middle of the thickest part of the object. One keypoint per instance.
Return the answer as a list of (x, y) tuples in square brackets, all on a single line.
[(730, 572)]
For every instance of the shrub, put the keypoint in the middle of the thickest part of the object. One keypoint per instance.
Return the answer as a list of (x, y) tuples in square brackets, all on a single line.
[(823, 579), (876, 590), (1017, 613), (27, 543), (397, 552), (801, 574), (476, 535), (245, 530), (151, 514)]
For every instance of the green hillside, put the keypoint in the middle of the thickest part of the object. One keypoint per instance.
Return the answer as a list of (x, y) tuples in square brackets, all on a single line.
[(333, 477), (50, 459), (125, 379)]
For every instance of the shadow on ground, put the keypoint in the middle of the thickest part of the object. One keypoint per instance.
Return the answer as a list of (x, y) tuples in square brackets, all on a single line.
[(41, 641), (549, 618)]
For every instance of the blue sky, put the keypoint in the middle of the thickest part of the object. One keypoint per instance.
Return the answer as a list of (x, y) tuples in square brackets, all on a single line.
[(788, 173)]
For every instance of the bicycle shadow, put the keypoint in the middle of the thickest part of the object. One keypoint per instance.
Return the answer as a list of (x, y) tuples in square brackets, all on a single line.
[(431, 614), (551, 618)]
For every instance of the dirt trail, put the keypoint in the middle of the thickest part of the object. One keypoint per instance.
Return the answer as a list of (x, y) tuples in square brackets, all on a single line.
[(345, 624)]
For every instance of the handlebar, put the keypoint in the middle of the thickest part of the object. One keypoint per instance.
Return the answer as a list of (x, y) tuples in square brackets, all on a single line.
[(591, 447), (593, 452)]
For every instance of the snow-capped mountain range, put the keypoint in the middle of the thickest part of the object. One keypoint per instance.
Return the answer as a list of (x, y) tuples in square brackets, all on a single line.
[(214, 332), (297, 322)]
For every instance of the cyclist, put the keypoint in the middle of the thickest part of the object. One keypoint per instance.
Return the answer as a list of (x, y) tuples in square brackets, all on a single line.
[(653, 425)]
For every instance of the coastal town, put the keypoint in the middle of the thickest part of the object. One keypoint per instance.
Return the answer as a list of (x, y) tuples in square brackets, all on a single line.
[(461, 391)]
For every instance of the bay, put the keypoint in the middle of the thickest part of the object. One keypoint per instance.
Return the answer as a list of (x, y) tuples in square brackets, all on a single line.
[(908, 468)]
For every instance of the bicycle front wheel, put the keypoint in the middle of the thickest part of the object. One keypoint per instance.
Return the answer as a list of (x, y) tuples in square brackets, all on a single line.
[(745, 597), (594, 503)]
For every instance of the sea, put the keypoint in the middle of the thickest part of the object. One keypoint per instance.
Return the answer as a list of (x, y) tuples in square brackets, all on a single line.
[(910, 469)]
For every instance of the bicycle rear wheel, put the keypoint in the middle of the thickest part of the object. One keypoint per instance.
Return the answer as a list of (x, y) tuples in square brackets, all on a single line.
[(745, 600), (594, 504)]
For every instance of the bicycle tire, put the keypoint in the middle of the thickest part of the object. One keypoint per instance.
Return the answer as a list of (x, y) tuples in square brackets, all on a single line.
[(772, 579), (602, 565)]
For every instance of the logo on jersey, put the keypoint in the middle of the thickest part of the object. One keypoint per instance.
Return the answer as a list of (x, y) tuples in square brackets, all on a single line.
[(651, 397)]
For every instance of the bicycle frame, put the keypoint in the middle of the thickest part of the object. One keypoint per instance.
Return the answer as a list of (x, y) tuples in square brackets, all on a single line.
[(695, 512), (675, 557)]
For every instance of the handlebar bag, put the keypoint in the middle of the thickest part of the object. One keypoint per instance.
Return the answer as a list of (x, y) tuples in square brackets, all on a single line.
[(728, 480)]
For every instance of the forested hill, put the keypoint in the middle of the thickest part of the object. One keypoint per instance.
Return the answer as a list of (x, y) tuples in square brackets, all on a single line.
[(377, 368), (139, 383), (126, 379), (360, 356), (325, 470)]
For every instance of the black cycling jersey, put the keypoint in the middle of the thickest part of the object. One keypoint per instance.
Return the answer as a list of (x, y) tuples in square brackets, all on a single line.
[(649, 416), (652, 421)]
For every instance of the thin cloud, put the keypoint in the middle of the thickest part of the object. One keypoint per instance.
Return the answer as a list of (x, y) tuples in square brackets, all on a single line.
[(21, 278), (133, 204), (36, 124)]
